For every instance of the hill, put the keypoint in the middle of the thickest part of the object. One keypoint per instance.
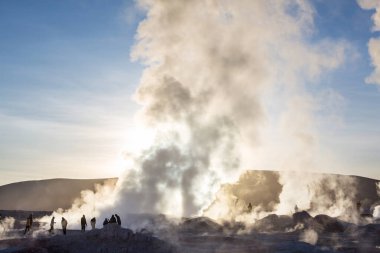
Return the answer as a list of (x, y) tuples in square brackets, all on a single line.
[(264, 188), (46, 195), (261, 188)]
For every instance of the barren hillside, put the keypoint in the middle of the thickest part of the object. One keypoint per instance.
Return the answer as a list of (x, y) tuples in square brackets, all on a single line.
[(46, 195)]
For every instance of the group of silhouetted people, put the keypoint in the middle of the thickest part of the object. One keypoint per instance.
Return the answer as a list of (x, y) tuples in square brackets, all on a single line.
[(63, 224), (83, 222), (114, 219)]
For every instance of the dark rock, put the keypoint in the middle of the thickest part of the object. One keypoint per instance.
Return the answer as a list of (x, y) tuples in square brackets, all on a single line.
[(111, 240), (327, 224), (201, 225), (301, 217), (31, 250), (233, 227), (273, 223)]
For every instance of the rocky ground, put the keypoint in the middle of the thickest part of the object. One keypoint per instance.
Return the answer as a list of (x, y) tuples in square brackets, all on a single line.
[(284, 234), (113, 239)]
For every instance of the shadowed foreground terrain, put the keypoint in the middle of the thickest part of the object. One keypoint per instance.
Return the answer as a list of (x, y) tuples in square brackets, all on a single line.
[(112, 239), (298, 233)]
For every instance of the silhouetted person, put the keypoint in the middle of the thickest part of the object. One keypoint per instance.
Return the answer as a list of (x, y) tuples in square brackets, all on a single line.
[(64, 225), (118, 220), (358, 207), (29, 223), (52, 225), (249, 207), (113, 219), (105, 222), (296, 209), (93, 222), (83, 223)]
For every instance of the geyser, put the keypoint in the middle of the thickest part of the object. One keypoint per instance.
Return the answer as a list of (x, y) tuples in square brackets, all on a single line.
[(223, 90)]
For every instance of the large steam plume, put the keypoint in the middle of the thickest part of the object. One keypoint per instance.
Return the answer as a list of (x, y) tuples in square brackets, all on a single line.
[(224, 90), (213, 68)]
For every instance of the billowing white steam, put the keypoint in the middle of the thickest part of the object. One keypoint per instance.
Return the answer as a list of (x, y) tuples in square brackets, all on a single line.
[(309, 236), (284, 193), (6, 224), (376, 212), (90, 204), (213, 69), (223, 91)]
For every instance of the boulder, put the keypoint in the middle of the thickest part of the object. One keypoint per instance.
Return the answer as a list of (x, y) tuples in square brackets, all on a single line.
[(326, 224), (301, 217), (274, 223), (200, 225)]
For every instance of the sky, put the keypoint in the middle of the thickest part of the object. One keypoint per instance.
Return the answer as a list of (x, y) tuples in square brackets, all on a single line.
[(67, 81)]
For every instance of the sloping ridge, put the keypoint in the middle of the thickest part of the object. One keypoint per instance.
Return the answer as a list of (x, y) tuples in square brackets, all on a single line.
[(46, 195), (257, 187), (263, 188)]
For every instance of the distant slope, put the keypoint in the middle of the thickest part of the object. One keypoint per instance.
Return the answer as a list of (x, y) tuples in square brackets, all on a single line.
[(46, 195), (263, 188), (260, 188)]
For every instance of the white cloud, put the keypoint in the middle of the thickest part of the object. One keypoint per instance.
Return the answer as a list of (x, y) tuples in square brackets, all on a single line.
[(368, 4), (374, 43), (376, 20), (374, 52)]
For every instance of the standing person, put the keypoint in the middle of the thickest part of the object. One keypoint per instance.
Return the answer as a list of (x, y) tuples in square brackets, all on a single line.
[(83, 223), (29, 223), (93, 222), (105, 222), (358, 207), (52, 225), (118, 219), (249, 207), (113, 219), (64, 225)]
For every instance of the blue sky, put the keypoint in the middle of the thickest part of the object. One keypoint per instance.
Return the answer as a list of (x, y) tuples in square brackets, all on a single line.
[(355, 141), (66, 81), (65, 87)]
